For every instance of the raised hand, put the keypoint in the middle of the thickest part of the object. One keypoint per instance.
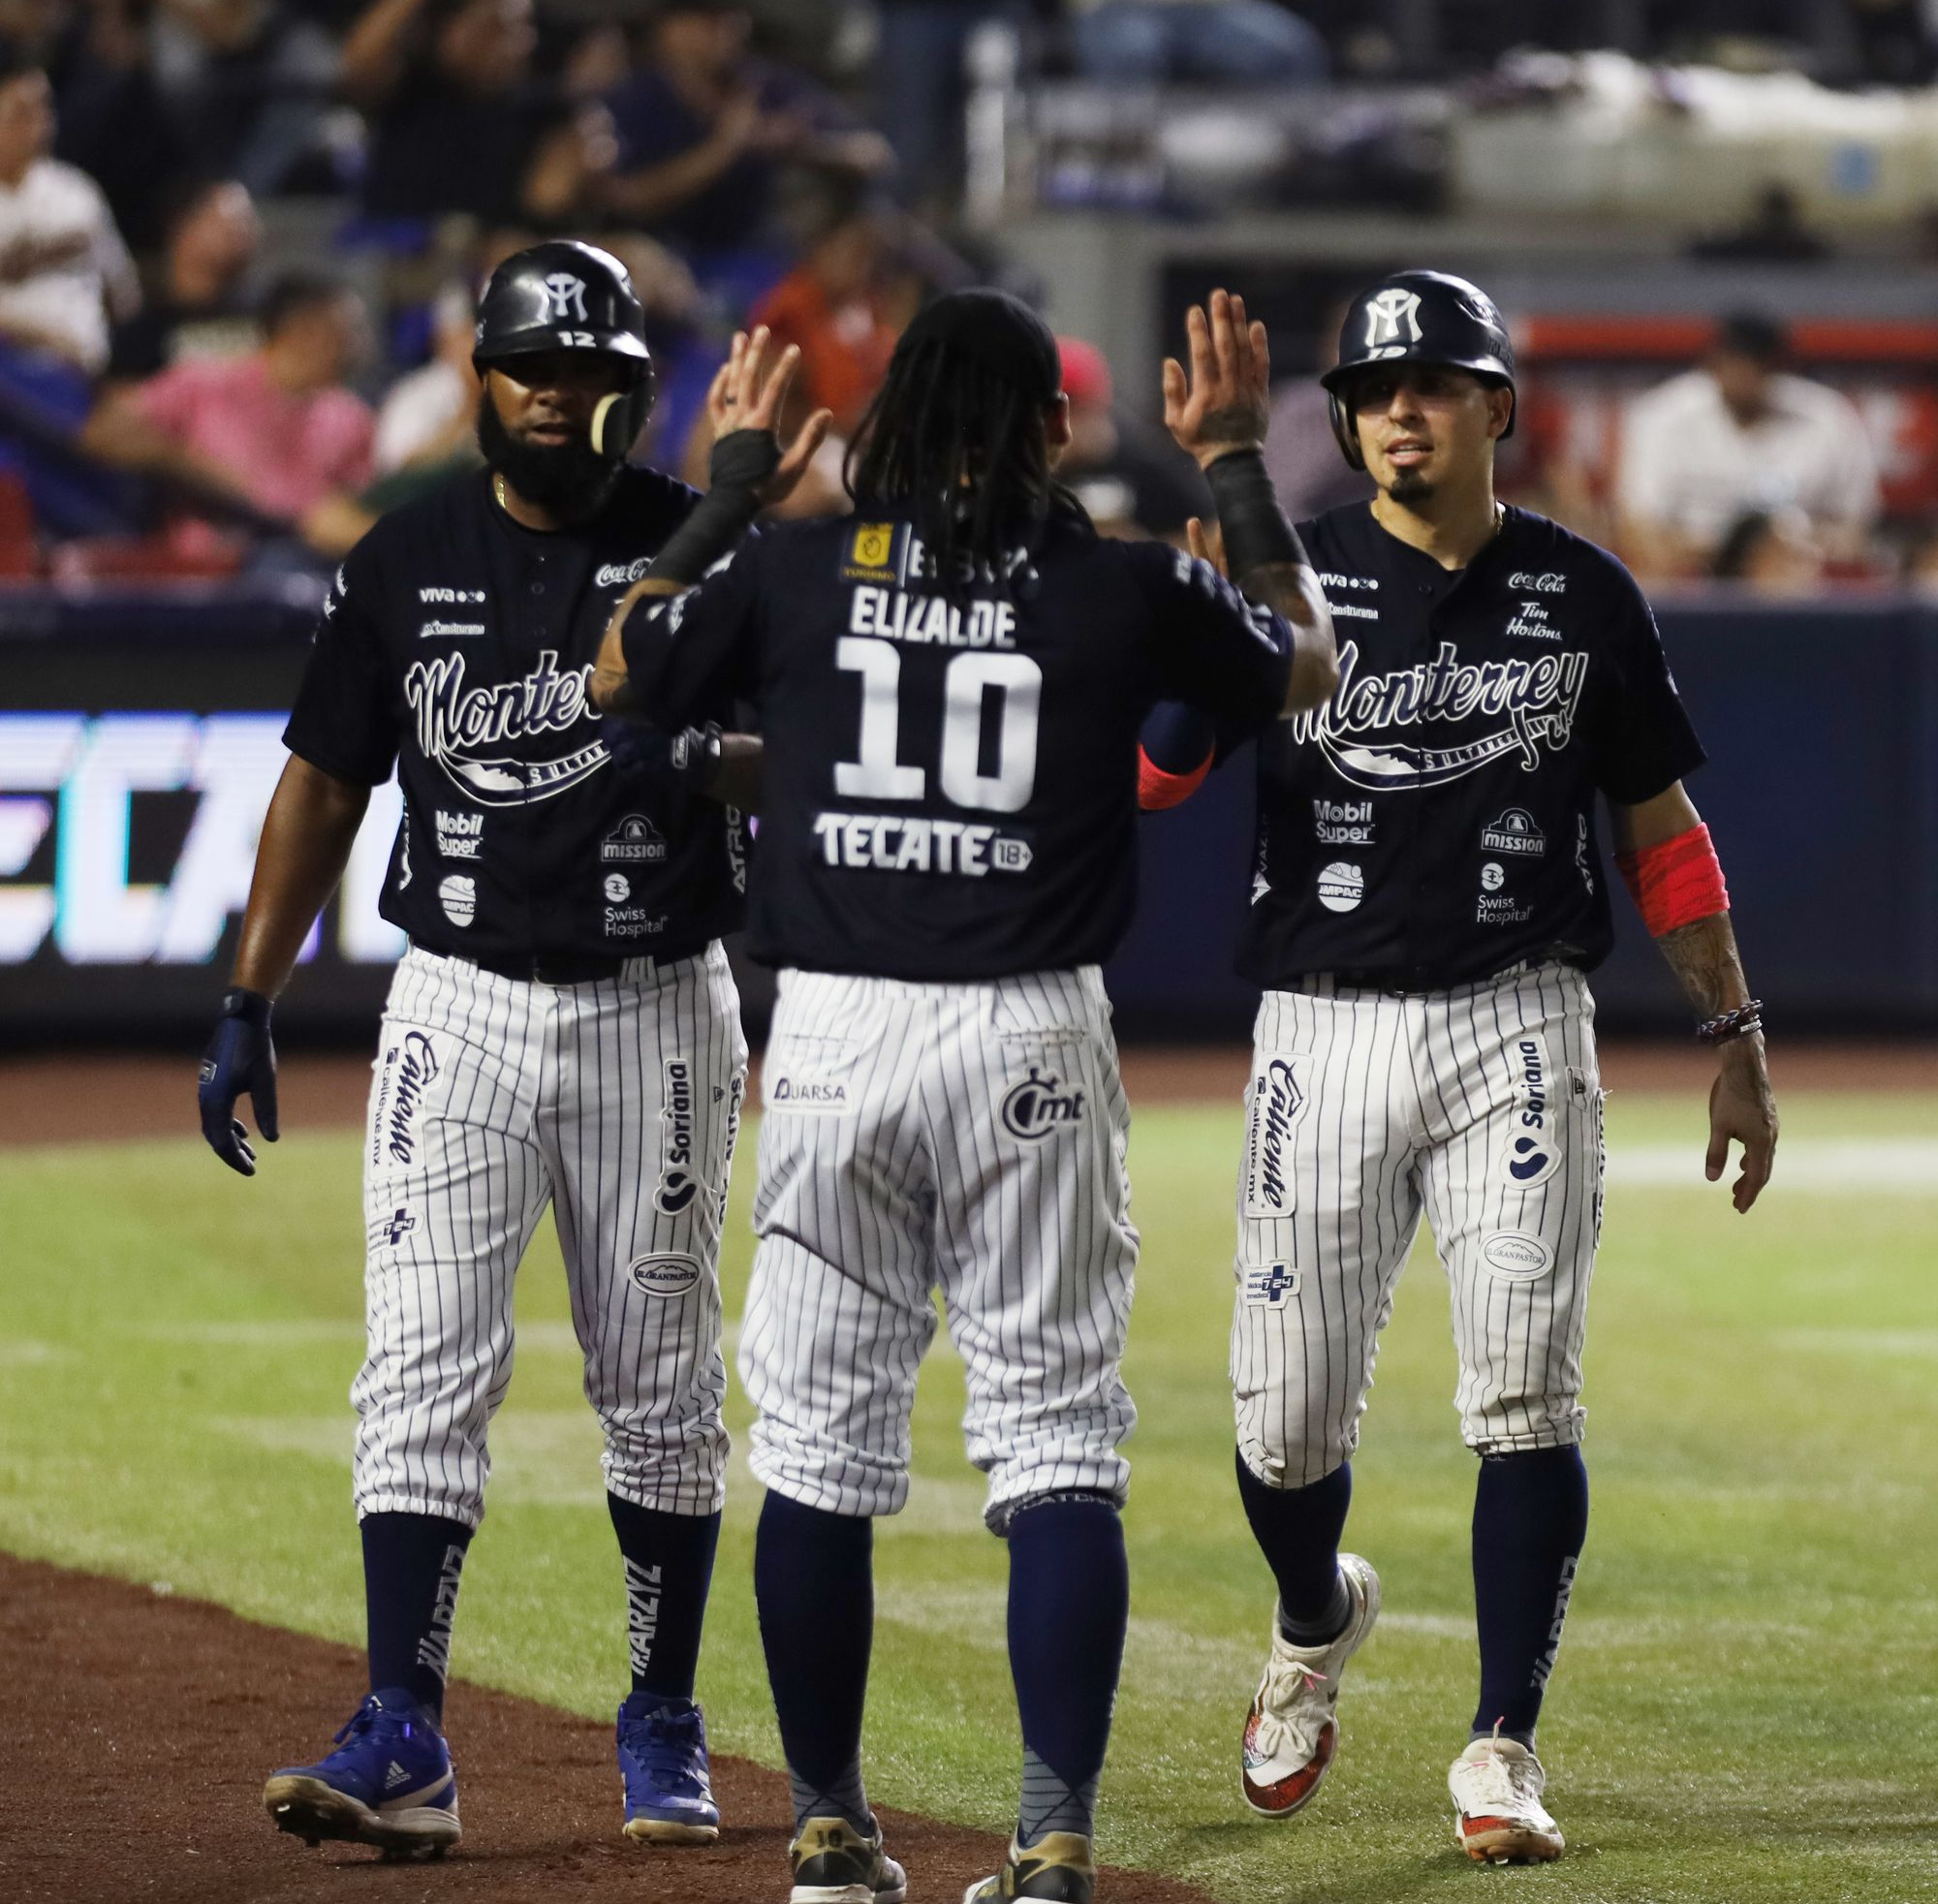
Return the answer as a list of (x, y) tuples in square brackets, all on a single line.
[(1224, 403), (750, 394)]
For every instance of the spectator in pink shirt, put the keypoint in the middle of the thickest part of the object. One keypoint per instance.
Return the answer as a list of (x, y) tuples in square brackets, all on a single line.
[(270, 434)]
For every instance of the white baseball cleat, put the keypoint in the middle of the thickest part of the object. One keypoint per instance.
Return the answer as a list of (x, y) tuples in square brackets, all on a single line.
[(1291, 1733), (1498, 1817)]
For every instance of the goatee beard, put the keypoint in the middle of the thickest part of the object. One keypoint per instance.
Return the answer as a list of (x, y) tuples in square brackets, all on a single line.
[(570, 479), (1408, 485)]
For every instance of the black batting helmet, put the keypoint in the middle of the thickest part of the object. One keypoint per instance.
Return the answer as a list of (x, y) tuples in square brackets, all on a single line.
[(1417, 317), (565, 295)]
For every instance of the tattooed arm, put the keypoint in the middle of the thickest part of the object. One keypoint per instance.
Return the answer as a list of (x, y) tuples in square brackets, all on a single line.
[(1703, 957)]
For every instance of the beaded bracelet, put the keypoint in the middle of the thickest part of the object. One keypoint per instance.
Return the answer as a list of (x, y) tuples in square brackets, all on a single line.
[(1740, 1024)]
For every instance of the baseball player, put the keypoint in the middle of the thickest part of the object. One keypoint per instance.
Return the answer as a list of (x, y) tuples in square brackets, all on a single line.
[(1426, 903), (951, 686), (563, 1030)]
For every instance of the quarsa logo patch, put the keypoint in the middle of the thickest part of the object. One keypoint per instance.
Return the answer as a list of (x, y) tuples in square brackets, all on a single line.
[(803, 1094), (1514, 1255), (678, 1186), (458, 894), (664, 1275), (1039, 1105), (1341, 886), (1267, 1285), (1534, 1153)]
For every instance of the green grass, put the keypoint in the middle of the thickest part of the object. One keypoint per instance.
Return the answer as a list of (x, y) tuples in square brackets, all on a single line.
[(1746, 1705)]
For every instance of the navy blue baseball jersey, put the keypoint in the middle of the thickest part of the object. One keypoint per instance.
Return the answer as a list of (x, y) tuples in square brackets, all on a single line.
[(461, 645), (949, 784), (1434, 822)]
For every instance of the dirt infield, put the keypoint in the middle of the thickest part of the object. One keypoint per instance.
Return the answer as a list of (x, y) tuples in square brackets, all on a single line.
[(92, 1098), (141, 1728)]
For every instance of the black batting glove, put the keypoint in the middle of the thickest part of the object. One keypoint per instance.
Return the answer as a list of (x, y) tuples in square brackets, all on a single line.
[(241, 1059), (669, 770)]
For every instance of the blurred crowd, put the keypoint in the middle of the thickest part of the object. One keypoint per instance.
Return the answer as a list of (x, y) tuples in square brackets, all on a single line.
[(172, 404)]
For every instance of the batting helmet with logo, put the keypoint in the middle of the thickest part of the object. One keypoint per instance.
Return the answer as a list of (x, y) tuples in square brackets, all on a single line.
[(565, 295), (1417, 317)]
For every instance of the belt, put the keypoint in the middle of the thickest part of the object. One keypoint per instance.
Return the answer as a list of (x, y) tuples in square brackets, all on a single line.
[(1404, 981), (554, 968)]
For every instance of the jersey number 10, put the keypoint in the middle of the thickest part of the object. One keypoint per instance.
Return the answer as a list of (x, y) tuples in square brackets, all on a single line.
[(880, 775)]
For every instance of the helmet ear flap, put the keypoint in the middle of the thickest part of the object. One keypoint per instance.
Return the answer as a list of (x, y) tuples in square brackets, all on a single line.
[(1345, 429), (620, 417)]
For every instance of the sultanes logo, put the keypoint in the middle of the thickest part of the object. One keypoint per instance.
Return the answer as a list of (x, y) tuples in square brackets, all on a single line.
[(565, 296), (1533, 699), (1392, 320), (461, 729)]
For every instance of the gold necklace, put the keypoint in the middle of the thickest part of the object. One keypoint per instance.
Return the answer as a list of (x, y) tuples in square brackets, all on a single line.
[(498, 493)]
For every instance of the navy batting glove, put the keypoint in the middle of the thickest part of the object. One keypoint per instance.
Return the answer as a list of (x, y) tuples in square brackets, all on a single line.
[(670, 770), (241, 1059)]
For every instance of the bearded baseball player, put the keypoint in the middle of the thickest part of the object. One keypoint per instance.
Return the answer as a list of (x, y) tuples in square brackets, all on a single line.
[(562, 1031), (1426, 905), (951, 686)]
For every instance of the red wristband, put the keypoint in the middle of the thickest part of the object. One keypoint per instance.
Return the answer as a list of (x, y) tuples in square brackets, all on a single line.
[(1158, 789), (1676, 882)]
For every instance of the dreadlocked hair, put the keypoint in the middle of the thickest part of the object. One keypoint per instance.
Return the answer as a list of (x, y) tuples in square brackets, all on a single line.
[(962, 450)]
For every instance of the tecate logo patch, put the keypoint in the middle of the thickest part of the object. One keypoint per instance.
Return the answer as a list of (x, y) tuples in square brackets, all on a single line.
[(664, 1275), (1516, 1257)]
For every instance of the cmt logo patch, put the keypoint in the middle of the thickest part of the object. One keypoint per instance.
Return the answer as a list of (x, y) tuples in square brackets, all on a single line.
[(678, 1186), (1039, 1105), (1267, 1285), (1534, 1148)]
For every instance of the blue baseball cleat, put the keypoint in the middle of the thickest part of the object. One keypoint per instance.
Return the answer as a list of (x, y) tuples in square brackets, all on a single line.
[(663, 1762), (389, 1783)]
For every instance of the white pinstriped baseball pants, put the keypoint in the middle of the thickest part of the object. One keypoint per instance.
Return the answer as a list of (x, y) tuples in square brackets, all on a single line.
[(967, 1137), (1480, 1105), (615, 1101)]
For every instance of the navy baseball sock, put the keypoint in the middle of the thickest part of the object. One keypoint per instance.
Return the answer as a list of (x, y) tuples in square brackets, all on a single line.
[(668, 1560), (1298, 1530), (1530, 1520), (1069, 1599), (411, 1567), (814, 1586)]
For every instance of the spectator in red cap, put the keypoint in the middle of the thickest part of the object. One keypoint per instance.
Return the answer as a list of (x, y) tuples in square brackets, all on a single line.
[(1131, 480)]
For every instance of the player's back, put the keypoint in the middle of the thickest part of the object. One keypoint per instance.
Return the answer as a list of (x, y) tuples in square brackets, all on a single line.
[(950, 772)]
